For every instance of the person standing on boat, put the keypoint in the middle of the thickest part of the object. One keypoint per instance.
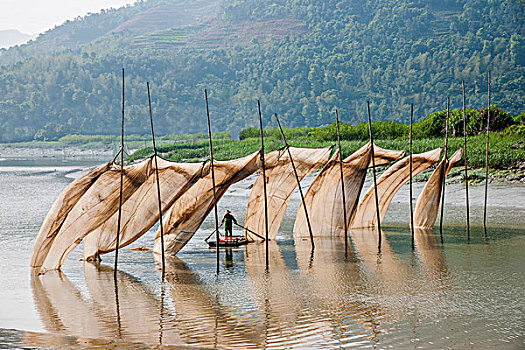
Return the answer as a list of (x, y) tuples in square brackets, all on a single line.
[(228, 221)]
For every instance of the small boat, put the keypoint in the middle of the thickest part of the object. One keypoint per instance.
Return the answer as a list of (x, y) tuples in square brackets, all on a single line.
[(235, 241)]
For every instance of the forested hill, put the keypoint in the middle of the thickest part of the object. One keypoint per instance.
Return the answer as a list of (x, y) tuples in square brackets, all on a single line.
[(302, 58)]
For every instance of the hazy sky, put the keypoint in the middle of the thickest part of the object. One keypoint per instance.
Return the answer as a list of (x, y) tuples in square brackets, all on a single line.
[(36, 16)]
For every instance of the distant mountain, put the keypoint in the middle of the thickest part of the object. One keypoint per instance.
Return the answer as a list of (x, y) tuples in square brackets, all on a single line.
[(302, 58), (157, 24), (11, 37)]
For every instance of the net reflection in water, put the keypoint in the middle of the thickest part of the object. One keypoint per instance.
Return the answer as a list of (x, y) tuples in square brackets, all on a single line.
[(327, 298)]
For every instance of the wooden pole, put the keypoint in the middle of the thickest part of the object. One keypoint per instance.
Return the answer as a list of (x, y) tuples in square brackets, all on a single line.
[(443, 180), (117, 306), (254, 233), (121, 179), (161, 319), (486, 165), (465, 160), (206, 239), (298, 182), (374, 173), (213, 181), (342, 177), (264, 186), (155, 155), (116, 155), (410, 184)]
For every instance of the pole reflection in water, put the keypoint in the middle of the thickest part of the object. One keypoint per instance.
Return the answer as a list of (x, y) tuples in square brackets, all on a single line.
[(396, 298), (126, 311), (272, 291), (429, 250), (335, 286), (137, 310), (199, 316), (132, 315), (64, 310), (384, 266)]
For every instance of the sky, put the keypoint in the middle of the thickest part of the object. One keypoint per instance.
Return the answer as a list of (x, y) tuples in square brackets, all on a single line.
[(37, 16)]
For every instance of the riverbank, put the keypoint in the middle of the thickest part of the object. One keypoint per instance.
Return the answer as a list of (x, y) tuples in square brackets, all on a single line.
[(329, 287), (506, 161)]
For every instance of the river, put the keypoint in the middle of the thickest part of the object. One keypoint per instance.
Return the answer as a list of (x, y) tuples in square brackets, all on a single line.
[(455, 296)]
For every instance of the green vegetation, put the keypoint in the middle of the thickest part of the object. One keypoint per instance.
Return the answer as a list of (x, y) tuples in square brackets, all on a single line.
[(505, 151), (507, 141), (112, 142), (302, 58), (432, 126), (516, 130), (71, 140), (507, 146)]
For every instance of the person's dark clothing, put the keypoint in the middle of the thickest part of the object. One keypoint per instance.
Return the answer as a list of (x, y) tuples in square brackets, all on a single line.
[(228, 224)]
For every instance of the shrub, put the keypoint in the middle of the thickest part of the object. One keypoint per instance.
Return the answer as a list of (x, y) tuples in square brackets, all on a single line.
[(248, 133), (515, 130), (519, 119)]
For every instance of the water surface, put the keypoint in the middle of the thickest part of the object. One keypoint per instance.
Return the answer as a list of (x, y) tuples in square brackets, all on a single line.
[(453, 296)]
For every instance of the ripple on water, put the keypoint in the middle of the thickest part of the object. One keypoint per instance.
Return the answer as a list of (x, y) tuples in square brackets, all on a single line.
[(457, 296)]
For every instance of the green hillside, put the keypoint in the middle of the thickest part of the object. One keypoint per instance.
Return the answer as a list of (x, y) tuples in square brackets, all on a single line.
[(302, 58)]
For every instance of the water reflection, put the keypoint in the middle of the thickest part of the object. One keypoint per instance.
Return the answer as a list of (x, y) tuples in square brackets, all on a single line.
[(121, 309), (125, 310), (63, 309), (326, 301), (339, 295), (429, 250), (130, 310), (336, 284), (280, 307), (199, 317), (228, 257)]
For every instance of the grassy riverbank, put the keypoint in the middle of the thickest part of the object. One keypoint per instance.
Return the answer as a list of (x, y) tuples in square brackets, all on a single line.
[(507, 142), (112, 142), (506, 151)]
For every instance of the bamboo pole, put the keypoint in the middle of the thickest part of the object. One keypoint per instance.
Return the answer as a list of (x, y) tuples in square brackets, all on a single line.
[(117, 306), (342, 177), (121, 179), (298, 182), (116, 155), (206, 239), (410, 184), (486, 165), (213, 180), (264, 186), (254, 233), (375, 181), (443, 180), (465, 160), (161, 319), (155, 155)]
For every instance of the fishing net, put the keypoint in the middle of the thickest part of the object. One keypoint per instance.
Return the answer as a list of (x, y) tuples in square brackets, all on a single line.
[(280, 184), (141, 211), (190, 210), (324, 200), (60, 210), (427, 205), (96, 205), (387, 186)]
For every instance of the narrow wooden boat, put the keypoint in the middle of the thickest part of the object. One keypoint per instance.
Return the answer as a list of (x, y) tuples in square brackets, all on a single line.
[(235, 241)]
